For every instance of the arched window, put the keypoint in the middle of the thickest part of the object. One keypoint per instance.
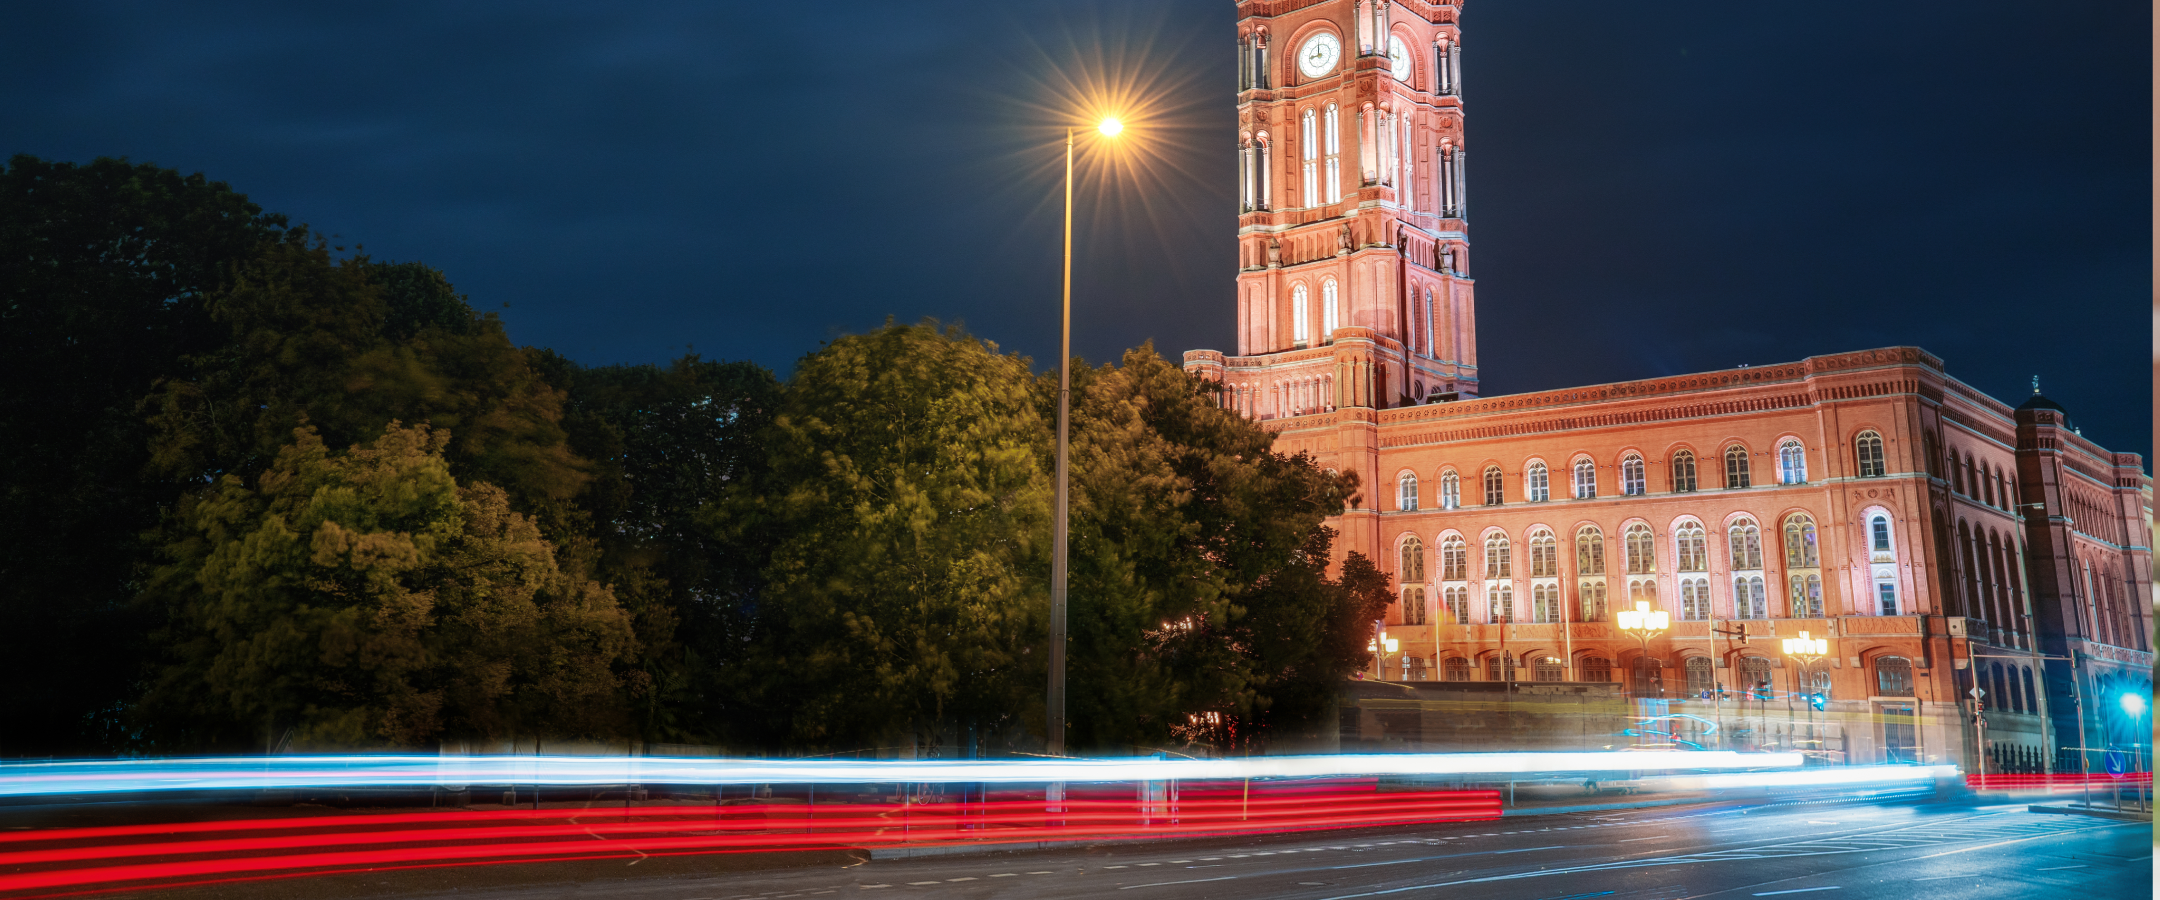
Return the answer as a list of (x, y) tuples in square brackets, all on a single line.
[(1893, 677), (1544, 602), (1792, 463), (1413, 605), (1868, 448), (1631, 476), (1647, 678), (1755, 676), (1453, 559), (1694, 599), (1750, 601), (1987, 484), (1585, 479), (1701, 677), (1537, 486), (1549, 669), (1412, 570), (1589, 551), (1745, 540), (1499, 557), (1544, 555), (1801, 551), (1592, 597), (1641, 550), (1807, 596), (1450, 490), (1406, 492), (1457, 599), (1300, 316), (1499, 667), (1310, 149), (1456, 668), (2032, 700), (1596, 668), (1495, 485), (1692, 546), (1334, 154), (1737, 470), (1501, 599), (1330, 311), (2003, 700), (1683, 471), (1879, 533)]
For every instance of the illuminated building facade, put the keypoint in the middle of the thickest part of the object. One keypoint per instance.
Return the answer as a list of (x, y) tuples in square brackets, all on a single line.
[(1939, 539)]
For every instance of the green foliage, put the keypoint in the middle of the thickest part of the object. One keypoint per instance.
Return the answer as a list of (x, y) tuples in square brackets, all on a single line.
[(320, 341), (105, 271), (666, 444), (364, 598), (908, 512), (1200, 607)]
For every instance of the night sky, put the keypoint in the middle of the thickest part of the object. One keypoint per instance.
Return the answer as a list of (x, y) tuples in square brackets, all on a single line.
[(1656, 188)]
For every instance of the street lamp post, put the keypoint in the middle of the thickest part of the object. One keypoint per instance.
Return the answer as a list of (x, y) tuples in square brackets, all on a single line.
[(2135, 704), (1806, 651), (1054, 713), (1382, 647), (1643, 623)]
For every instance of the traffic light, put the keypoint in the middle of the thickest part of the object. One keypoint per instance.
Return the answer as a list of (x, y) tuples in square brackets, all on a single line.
[(1817, 700)]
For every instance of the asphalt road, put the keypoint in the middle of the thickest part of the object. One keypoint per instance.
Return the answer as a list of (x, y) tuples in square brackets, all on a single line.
[(1903, 850)]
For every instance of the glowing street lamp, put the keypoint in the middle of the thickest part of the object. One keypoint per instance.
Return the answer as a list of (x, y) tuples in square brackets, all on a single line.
[(1382, 647), (1054, 714), (1806, 651), (1644, 623)]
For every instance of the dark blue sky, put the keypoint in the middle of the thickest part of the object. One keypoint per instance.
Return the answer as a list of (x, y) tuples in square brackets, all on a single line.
[(1657, 188)]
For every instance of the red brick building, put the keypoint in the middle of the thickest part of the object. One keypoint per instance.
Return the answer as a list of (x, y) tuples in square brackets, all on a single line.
[(1937, 538)]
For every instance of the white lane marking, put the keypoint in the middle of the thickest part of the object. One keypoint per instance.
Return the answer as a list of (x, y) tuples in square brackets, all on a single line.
[(1207, 858), (1113, 867), (869, 886), (969, 878), (1150, 864), (1816, 822), (1167, 883), (1003, 875), (1175, 861), (1799, 891), (2053, 868), (1042, 873), (921, 883), (1662, 837)]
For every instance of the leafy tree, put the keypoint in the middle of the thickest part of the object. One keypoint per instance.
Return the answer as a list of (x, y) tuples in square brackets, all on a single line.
[(665, 445), (1200, 603), (908, 512), (105, 274), (365, 598), (347, 346)]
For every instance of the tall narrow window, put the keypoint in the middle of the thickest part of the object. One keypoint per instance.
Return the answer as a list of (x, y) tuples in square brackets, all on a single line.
[(1694, 599), (1266, 184), (1886, 595), (1412, 569), (1868, 447), (1593, 601), (1457, 599), (1309, 148), (1737, 470), (1495, 485), (1537, 484), (1300, 316), (1589, 551), (1893, 677), (1544, 602), (1499, 557), (1500, 603), (1746, 542), (1792, 463), (1631, 476), (1807, 597), (1454, 559), (1330, 311), (1879, 534), (1450, 490), (1585, 479), (1683, 471), (1801, 550), (1641, 550), (1693, 550), (1750, 600), (1544, 555), (1334, 153), (1413, 605), (1406, 492)]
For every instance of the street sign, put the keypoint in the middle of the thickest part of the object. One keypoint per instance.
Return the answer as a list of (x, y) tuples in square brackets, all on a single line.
[(2118, 762), (1977, 693)]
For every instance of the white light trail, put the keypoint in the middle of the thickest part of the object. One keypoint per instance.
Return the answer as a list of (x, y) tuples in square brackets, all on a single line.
[(285, 772)]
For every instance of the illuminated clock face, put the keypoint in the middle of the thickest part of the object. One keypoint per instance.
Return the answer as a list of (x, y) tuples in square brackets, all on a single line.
[(1319, 54), (1398, 57)]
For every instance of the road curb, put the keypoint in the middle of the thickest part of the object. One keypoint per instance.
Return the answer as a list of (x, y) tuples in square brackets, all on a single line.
[(2117, 815)]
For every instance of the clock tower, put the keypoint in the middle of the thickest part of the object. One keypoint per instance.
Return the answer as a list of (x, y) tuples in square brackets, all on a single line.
[(1353, 286)]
